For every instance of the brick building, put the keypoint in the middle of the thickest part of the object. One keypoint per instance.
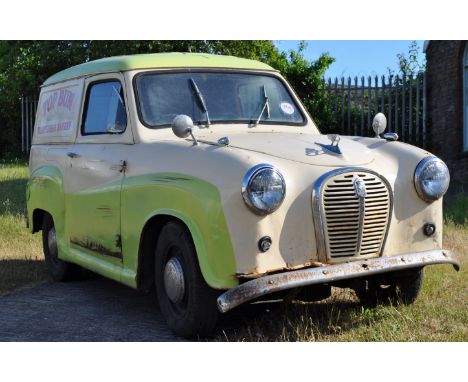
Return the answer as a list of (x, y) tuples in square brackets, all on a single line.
[(447, 105)]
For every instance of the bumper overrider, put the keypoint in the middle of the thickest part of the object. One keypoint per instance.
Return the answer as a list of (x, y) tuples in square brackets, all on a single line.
[(293, 279)]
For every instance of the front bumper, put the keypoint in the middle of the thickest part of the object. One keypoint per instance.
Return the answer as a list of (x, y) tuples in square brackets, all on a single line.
[(329, 273)]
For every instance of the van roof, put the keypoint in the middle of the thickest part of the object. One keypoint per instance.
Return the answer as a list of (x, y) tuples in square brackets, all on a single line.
[(155, 60)]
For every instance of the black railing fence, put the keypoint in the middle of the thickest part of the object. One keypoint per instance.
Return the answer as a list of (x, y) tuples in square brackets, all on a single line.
[(353, 102)]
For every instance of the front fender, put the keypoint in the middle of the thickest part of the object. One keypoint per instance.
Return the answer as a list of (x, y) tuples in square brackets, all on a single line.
[(192, 200)]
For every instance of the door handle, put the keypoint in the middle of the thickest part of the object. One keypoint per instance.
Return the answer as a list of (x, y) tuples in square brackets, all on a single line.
[(73, 155)]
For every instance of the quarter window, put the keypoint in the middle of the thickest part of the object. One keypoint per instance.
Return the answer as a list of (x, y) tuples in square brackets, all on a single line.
[(105, 109)]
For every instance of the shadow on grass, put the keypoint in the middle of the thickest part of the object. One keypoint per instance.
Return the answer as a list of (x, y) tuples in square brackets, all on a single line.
[(16, 274), (13, 196), (296, 321)]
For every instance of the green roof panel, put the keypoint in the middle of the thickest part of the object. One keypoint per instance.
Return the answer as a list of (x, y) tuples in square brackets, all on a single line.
[(156, 60)]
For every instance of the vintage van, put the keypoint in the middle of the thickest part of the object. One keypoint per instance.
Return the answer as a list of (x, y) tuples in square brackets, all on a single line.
[(204, 176)]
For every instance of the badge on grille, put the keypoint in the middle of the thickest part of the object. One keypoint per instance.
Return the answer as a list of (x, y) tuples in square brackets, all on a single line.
[(359, 187)]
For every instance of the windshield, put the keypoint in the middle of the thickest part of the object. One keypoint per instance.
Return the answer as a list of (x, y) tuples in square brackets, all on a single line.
[(215, 97)]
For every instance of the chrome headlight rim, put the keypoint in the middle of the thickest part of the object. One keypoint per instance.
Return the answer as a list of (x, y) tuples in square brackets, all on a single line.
[(246, 181), (418, 173)]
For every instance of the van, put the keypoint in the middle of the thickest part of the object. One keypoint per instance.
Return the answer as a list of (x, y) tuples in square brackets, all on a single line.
[(205, 178)]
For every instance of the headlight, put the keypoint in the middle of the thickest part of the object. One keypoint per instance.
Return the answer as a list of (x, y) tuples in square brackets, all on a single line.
[(263, 189), (431, 179)]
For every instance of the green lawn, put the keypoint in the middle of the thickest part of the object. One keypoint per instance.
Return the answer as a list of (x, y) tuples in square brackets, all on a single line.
[(440, 313), (21, 258)]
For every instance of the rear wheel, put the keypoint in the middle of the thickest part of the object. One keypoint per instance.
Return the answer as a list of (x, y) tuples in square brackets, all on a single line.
[(392, 288), (187, 303), (59, 270)]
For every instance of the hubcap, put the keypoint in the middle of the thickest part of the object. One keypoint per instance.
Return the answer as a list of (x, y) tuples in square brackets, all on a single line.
[(174, 280)]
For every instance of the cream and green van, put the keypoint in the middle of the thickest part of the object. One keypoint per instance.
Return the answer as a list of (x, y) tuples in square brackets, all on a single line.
[(204, 177)]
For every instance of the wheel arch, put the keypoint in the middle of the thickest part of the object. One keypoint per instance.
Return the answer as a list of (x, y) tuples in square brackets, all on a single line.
[(45, 194), (148, 240)]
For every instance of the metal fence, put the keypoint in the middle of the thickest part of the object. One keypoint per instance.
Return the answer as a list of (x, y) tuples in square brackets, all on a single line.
[(28, 117), (354, 102), (351, 101)]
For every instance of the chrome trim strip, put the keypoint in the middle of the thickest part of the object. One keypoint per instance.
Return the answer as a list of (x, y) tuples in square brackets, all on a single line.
[(246, 182), (317, 207), (330, 273), (362, 215)]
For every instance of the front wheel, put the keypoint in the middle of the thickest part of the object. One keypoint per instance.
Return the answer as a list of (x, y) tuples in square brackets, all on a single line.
[(58, 269), (402, 287), (187, 303)]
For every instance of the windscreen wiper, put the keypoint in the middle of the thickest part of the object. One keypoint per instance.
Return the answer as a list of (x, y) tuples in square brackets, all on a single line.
[(266, 106), (201, 100)]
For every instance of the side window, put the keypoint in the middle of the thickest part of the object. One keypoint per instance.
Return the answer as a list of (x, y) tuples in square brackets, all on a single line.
[(104, 111)]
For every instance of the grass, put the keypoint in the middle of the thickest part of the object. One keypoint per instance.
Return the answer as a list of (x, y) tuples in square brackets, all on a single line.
[(21, 258), (439, 314)]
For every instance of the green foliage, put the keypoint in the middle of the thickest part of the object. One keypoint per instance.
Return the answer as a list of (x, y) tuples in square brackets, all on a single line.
[(24, 65), (306, 78), (410, 63), (456, 209)]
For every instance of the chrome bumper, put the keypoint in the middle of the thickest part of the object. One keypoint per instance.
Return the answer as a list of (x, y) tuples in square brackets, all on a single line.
[(303, 277)]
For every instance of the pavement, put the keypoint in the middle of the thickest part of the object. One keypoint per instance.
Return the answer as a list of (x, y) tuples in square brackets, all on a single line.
[(94, 309)]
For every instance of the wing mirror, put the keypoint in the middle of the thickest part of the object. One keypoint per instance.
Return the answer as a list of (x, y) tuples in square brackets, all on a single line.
[(379, 124), (182, 127)]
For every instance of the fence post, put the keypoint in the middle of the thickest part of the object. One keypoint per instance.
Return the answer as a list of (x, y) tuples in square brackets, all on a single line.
[(425, 138), (397, 88), (22, 124), (342, 104), (403, 107), (410, 109), (390, 125), (362, 106), (383, 95), (349, 105), (369, 102), (335, 94), (376, 87), (418, 133)]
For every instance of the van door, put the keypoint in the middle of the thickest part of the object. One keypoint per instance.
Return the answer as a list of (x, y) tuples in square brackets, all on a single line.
[(97, 164)]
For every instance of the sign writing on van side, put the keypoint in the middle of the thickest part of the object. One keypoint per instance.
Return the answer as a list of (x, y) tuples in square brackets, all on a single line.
[(58, 111), (60, 98)]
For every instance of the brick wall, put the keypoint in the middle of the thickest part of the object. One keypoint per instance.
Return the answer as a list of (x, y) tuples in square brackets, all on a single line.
[(445, 107)]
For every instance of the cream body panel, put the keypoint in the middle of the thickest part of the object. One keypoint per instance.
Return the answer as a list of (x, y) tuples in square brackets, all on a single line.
[(58, 112), (291, 226), (294, 151)]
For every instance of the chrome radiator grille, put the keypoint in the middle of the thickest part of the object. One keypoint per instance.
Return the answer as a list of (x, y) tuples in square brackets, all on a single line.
[(355, 210)]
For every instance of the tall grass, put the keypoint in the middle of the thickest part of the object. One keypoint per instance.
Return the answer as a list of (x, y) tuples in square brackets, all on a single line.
[(21, 258)]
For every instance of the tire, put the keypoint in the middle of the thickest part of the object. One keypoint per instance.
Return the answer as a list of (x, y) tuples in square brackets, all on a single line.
[(403, 287), (187, 303), (59, 270)]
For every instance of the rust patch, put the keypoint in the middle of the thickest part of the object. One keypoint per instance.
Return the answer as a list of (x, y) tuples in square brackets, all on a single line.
[(104, 211), (254, 275), (118, 241), (96, 247)]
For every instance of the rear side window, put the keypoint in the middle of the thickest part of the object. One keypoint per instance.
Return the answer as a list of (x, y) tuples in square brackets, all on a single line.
[(104, 109)]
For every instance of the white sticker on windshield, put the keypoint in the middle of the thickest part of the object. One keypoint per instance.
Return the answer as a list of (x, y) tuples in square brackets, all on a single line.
[(287, 108)]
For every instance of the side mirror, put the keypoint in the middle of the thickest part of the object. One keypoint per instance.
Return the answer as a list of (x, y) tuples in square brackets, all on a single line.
[(182, 127), (379, 124)]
